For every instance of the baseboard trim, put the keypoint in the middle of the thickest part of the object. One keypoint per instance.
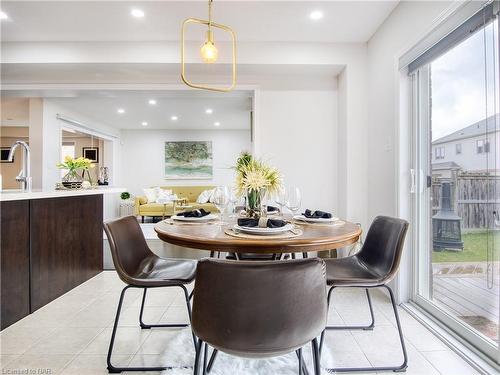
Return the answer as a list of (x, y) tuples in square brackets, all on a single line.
[(476, 359)]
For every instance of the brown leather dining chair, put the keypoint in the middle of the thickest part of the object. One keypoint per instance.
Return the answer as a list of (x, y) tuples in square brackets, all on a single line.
[(139, 267), (258, 309), (373, 266)]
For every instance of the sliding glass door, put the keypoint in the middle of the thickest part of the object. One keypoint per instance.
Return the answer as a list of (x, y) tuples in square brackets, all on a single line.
[(457, 174)]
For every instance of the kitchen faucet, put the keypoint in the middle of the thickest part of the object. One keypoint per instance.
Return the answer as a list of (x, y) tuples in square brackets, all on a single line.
[(24, 176)]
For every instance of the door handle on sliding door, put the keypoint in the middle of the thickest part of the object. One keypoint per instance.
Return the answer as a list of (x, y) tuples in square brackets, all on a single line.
[(412, 181)]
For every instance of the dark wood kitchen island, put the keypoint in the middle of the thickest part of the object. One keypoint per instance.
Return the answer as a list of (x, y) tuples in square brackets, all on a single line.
[(50, 243)]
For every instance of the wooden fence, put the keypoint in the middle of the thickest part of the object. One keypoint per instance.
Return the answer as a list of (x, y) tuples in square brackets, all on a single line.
[(475, 196)]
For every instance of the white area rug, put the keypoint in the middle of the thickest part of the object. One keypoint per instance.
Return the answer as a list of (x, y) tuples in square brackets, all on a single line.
[(180, 353)]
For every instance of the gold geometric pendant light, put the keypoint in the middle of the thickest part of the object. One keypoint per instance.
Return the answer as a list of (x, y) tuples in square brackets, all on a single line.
[(208, 50)]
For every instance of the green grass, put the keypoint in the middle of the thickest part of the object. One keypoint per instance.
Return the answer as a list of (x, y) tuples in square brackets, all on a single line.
[(475, 245)]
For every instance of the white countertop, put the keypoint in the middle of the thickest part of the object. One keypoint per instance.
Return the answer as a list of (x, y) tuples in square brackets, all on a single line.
[(17, 195)]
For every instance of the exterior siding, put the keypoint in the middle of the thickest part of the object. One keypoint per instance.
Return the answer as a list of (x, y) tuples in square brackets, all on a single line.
[(469, 159)]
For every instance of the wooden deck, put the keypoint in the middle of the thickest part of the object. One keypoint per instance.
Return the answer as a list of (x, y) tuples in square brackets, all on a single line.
[(469, 298)]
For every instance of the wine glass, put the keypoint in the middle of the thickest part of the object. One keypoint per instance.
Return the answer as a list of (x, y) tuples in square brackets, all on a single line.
[(293, 199), (221, 199), (280, 199), (233, 200)]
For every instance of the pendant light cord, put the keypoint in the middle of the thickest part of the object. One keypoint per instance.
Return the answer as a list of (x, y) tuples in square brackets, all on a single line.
[(210, 14)]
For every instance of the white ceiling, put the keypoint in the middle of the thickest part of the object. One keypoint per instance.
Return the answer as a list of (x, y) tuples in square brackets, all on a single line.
[(343, 22), (231, 110)]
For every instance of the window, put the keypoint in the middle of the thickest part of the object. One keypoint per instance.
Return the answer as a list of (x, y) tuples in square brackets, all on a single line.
[(482, 146), (458, 148), (439, 152)]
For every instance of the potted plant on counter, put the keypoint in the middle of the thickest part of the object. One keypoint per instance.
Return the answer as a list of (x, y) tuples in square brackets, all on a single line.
[(255, 179)]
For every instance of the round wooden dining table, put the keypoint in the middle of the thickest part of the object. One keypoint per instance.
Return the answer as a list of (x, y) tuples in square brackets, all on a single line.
[(214, 237)]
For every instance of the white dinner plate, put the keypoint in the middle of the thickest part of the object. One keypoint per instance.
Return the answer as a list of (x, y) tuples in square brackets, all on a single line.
[(263, 231), (272, 213), (194, 219), (315, 220)]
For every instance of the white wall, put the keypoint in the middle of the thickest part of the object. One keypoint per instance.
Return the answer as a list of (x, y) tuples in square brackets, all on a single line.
[(143, 153), (401, 31), (36, 141), (297, 133)]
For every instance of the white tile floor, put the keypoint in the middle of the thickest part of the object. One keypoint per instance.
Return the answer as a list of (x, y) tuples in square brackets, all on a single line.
[(71, 334)]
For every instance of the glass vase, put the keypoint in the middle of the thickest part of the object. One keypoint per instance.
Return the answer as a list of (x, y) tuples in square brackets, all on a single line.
[(254, 202), (72, 180)]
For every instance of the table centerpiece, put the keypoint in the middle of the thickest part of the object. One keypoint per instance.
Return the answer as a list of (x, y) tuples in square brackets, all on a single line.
[(255, 179)]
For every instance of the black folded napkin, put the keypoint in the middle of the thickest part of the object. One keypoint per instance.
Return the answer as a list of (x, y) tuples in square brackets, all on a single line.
[(317, 214), (194, 213), (272, 209), (265, 223)]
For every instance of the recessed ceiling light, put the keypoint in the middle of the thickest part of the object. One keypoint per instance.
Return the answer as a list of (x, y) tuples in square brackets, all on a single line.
[(3, 15), (137, 13), (316, 15), (144, 123), (217, 123), (209, 111), (174, 118), (152, 101), (120, 110)]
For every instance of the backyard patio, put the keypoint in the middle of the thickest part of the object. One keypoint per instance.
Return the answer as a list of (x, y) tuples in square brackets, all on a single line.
[(460, 283)]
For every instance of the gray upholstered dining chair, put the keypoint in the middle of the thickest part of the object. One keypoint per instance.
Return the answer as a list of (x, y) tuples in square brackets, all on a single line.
[(258, 309), (139, 267), (374, 266)]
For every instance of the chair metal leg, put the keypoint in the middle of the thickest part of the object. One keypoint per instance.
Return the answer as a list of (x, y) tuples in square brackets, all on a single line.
[(196, 367), (212, 360), (302, 363), (400, 368), (115, 370), (205, 355), (299, 356), (369, 327), (149, 326), (188, 305), (316, 357)]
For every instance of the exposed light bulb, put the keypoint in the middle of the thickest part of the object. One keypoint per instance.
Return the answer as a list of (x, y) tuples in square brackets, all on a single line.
[(174, 118), (144, 123), (209, 111), (217, 123), (152, 101), (3, 15), (208, 51), (120, 110)]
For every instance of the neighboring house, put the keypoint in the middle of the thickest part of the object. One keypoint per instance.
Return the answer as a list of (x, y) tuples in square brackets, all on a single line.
[(445, 170), (472, 148)]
